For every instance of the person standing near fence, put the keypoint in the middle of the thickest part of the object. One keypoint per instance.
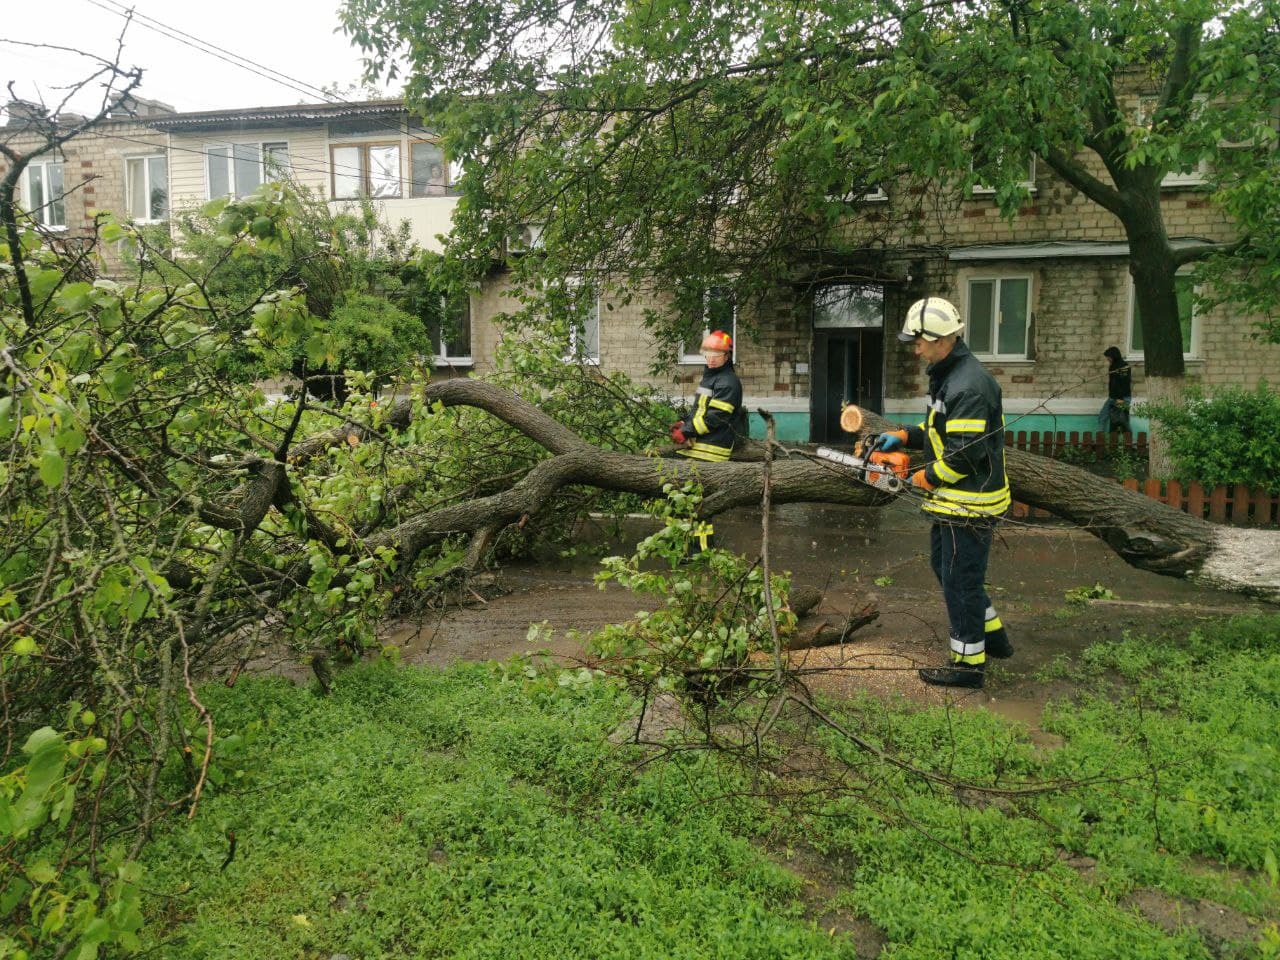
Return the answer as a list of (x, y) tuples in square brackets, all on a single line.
[(1114, 414), (965, 486)]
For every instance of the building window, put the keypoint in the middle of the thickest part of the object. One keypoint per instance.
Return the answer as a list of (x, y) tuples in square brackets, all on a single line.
[(719, 312), (1187, 319), (275, 160), (584, 325), (146, 187), (452, 333), (999, 317), (844, 305), (1192, 177), (365, 170), (430, 174), (1026, 181), (44, 193), (238, 169)]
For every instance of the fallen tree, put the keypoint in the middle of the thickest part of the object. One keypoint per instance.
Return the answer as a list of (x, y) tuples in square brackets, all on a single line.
[(1145, 533)]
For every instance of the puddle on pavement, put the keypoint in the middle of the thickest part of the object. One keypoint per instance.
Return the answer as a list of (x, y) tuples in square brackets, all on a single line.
[(855, 556)]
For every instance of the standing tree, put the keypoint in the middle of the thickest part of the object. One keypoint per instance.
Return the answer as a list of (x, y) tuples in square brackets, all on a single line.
[(676, 143)]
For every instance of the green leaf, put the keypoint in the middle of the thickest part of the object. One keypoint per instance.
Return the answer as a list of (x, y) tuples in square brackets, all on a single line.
[(25, 646), (48, 753), (52, 467)]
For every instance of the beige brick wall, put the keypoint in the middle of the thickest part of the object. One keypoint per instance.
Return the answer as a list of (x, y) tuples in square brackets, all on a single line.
[(94, 175), (773, 337)]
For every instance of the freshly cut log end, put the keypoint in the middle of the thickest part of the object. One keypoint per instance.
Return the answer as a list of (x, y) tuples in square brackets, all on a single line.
[(851, 419)]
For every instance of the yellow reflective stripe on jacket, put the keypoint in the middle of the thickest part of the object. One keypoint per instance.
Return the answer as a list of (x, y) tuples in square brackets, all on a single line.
[(700, 415), (969, 496), (945, 473), (950, 508), (706, 451), (721, 405), (966, 426)]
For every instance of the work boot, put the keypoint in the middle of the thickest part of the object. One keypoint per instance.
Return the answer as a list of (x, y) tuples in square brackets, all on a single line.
[(957, 675), (998, 645)]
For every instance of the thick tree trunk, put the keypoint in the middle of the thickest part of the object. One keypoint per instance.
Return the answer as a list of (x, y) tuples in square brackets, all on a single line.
[(1145, 533), (1154, 270)]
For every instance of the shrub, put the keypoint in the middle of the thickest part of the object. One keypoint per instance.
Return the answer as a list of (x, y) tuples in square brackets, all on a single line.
[(1230, 437)]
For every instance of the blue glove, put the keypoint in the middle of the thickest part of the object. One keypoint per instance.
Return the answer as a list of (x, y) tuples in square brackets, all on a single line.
[(888, 441)]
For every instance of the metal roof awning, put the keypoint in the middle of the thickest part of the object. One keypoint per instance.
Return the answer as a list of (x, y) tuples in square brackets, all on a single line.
[(1056, 249), (263, 116)]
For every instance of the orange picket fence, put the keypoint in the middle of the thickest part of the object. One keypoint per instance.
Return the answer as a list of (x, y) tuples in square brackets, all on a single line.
[(1094, 446), (1235, 504)]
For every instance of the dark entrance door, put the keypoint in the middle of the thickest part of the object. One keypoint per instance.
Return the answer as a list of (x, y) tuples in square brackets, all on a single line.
[(848, 356)]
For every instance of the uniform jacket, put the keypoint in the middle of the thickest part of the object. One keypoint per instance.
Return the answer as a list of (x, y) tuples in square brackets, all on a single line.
[(718, 418), (964, 432)]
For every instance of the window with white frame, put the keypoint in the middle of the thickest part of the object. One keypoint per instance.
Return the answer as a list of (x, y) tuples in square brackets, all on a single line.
[(43, 192), (451, 334), (719, 312), (146, 188), (1191, 177), (238, 169), (1184, 289), (365, 170), (584, 324), (275, 160), (1027, 171), (998, 316)]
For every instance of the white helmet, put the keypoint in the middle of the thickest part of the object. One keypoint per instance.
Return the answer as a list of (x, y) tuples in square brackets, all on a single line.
[(931, 318)]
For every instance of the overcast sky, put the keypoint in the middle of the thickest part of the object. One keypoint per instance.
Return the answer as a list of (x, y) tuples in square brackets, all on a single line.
[(293, 37)]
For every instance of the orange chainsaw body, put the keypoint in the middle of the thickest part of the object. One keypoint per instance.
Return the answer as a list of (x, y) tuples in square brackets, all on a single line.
[(896, 462)]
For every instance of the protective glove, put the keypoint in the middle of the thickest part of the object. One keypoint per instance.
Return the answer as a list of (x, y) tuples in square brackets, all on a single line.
[(677, 433), (891, 440), (918, 479)]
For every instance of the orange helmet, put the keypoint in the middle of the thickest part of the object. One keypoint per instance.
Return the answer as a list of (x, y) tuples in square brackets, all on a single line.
[(718, 340)]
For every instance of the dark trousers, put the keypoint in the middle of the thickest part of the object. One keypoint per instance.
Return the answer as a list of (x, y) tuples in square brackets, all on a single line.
[(958, 553)]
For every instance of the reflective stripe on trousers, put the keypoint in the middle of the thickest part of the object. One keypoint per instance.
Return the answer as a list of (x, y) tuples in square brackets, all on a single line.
[(958, 553)]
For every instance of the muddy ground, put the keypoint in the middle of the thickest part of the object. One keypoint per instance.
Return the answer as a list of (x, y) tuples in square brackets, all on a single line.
[(856, 556)]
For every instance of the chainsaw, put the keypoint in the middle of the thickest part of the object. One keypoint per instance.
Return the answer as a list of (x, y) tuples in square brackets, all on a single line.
[(876, 468)]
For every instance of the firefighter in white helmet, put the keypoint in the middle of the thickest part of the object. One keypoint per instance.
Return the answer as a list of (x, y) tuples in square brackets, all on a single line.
[(718, 418), (965, 484)]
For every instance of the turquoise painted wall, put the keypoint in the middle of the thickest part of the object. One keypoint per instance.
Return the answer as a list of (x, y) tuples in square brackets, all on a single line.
[(794, 427)]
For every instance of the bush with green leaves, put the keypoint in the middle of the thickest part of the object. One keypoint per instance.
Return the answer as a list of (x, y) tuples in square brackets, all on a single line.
[(714, 612), (1229, 437), (377, 290), (164, 520)]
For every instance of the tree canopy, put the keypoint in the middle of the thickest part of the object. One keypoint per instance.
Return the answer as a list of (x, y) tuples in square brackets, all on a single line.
[(672, 143)]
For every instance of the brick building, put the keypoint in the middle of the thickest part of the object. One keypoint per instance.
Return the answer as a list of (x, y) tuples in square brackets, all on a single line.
[(120, 165), (1042, 296)]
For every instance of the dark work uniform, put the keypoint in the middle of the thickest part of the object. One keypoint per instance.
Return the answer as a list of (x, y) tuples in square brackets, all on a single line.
[(964, 433), (718, 418)]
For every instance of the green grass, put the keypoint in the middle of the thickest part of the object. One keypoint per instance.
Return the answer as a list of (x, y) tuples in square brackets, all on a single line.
[(477, 813)]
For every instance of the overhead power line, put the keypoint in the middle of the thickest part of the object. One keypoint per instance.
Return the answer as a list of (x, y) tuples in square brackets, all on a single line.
[(236, 60)]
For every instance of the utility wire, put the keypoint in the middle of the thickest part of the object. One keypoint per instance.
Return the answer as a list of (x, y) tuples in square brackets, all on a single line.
[(235, 59)]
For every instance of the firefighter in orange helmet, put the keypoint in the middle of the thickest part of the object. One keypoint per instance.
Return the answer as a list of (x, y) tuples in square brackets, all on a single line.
[(718, 419)]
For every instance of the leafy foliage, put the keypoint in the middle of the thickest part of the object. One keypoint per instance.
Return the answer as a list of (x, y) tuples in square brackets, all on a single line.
[(374, 289), (164, 520), (1232, 436), (713, 614)]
